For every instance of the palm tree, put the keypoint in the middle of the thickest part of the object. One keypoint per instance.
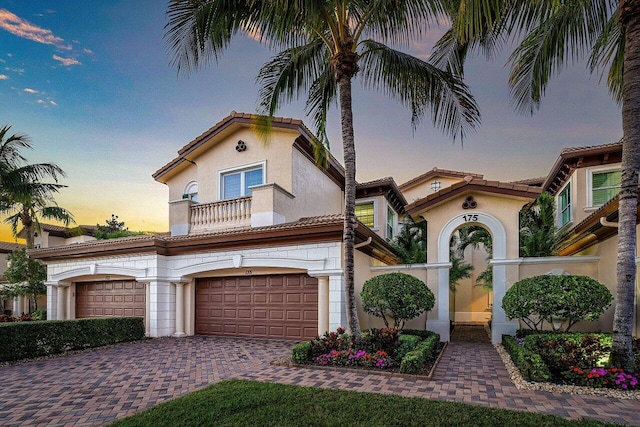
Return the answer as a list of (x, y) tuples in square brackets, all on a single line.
[(22, 195), (33, 201), (323, 45), (553, 34), (538, 233)]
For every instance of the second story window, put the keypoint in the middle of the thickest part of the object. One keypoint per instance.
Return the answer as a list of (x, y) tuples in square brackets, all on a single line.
[(604, 186), (191, 191), (564, 205), (236, 183), (391, 223), (365, 212)]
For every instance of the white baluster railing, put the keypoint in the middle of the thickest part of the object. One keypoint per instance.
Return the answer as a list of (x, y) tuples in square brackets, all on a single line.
[(220, 215)]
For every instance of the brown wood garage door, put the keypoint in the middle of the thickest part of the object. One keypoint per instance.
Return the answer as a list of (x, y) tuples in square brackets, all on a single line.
[(276, 306), (113, 298)]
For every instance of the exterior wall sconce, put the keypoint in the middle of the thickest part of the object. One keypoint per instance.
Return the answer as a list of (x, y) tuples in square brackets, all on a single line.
[(435, 185)]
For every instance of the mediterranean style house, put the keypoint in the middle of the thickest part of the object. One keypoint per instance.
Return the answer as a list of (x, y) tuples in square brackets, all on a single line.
[(255, 239)]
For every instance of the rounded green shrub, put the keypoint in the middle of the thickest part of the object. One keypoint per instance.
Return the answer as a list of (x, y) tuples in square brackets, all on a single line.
[(398, 296), (548, 297)]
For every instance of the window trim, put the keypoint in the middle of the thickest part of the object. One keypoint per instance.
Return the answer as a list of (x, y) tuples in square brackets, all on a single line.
[(571, 200), (393, 226), (375, 210), (590, 173), (262, 164), (188, 190)]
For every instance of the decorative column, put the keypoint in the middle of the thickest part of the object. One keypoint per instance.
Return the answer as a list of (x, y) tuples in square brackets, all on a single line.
[(323, 305), (179, 310), (18, 306), (60, 302)]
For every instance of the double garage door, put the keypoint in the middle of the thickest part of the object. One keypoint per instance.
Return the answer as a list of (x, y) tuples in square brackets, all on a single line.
[(112, 298), (275, 306)]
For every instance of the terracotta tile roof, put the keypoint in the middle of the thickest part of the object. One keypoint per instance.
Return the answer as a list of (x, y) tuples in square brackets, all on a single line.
[(386, 186), (472, 184), (61, 231), (590, 148), (6, 247), (437, 172), (301, 223), (248, 120), (320, 228), (533, 182), (571, 158)]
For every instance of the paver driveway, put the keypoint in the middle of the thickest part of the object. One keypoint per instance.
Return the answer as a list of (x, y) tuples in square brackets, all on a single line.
[(95, 388)]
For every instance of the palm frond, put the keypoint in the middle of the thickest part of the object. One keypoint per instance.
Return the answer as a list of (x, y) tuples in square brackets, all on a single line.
[(608, 53), (198, 31), (561, 32), (420, 86)]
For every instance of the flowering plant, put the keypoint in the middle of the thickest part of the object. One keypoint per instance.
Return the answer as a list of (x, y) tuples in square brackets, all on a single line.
[(379, 359), (602, 377)]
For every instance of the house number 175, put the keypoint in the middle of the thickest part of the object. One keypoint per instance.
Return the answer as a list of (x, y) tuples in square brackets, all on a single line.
[(473, 217)]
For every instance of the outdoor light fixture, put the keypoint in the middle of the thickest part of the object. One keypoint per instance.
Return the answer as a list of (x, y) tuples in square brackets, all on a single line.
[(435, 185)]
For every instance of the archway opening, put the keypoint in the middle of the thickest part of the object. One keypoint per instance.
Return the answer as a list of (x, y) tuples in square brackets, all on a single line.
[(470, 275)]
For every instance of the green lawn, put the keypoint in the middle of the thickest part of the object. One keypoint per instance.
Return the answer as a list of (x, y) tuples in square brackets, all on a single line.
[(248, 403)]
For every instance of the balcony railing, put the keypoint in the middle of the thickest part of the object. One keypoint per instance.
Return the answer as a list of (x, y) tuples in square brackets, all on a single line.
[(219, 215)]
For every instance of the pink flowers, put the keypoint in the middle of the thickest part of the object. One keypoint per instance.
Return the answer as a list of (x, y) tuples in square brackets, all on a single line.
[(601, 377), (379, 359)]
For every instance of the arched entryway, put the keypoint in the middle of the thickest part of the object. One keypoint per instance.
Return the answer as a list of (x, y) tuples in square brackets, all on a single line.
[(500, 324)]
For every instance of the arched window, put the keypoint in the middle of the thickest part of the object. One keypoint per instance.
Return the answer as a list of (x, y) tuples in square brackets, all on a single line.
[(191, 191)]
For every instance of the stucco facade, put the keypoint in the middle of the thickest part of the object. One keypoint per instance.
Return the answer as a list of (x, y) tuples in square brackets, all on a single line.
[(287, 222)]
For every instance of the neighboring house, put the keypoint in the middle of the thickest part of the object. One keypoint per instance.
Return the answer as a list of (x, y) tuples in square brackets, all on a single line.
[(255, 244), (5, 249), (56, 235)]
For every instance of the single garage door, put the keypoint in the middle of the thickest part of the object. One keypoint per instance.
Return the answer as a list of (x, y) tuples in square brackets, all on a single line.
[(113, 298), (276, 306)]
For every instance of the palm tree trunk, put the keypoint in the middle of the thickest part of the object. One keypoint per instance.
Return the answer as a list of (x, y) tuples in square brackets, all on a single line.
[(348, 236), (622, 351)]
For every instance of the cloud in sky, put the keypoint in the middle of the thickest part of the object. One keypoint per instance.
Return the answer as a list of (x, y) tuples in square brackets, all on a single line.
[(23, 28), (67, 62), (29, 90), (4, 77)]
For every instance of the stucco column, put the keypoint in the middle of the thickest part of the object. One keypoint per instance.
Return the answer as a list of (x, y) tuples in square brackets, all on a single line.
[(161, 307), (60, 303), (323, 305), (179, 310), (18, 307)]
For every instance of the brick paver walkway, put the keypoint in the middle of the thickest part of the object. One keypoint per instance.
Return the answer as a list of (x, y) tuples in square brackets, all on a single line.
[(95, 388)]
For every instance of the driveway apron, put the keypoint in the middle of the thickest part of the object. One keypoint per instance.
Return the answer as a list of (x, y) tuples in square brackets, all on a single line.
[(97, 387)]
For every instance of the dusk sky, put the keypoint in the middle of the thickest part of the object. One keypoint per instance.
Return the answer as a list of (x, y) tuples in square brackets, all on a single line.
[(90, 83)]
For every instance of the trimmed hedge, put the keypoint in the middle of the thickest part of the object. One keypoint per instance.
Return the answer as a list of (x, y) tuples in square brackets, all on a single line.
[(422, 333), (301, 353), (406, 344), (413, 362), (25, 340), (530, 364)]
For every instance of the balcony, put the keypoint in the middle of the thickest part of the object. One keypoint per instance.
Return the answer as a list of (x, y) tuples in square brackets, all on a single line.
[(220, 215)]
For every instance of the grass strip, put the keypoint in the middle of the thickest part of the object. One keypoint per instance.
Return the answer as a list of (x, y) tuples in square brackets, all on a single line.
[(250, 403)]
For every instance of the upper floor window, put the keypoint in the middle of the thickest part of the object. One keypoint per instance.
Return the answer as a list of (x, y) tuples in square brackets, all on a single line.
[(605, 185), (391, 223), (365, 212), (236, 183), (191, 191), (564, 205)]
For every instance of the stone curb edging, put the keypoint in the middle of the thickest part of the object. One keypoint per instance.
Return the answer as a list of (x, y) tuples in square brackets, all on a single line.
[(288, 363), (522, 384)]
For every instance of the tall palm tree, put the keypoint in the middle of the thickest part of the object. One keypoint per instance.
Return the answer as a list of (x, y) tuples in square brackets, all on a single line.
[(553, 34), (33, 201), (22, 195), (323, 45), (14, 169)]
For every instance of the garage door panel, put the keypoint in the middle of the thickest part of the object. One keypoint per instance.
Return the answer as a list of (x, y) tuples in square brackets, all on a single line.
[(276, 306), (114, 298)]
